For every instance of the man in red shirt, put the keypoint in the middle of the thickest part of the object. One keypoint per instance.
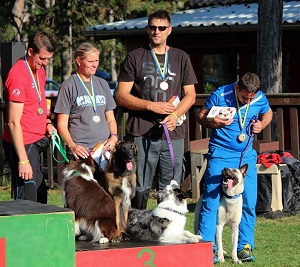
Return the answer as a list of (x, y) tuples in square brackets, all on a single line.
[(27, 125)]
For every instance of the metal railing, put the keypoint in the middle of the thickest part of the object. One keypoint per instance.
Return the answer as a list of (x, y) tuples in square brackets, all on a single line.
[(284, 129)]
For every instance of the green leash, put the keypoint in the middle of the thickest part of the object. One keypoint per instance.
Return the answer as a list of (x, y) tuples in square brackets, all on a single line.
[(56, 142)]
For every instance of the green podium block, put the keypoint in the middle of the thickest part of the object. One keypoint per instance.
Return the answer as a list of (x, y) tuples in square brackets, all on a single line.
[(36, 235)]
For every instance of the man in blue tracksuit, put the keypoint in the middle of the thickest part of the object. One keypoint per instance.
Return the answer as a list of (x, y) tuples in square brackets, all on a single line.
[(231, 146)]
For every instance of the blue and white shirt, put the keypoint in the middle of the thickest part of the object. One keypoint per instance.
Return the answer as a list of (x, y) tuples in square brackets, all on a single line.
[(227, 136)]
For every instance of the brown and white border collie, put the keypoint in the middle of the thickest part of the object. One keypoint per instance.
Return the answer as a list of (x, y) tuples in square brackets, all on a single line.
[(94, 208)]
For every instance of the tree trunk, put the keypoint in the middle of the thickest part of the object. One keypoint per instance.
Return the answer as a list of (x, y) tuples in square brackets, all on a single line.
[(269, 45), (18, 13)]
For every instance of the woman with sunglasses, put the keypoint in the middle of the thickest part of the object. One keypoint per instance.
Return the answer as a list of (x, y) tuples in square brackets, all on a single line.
[(150, 78)]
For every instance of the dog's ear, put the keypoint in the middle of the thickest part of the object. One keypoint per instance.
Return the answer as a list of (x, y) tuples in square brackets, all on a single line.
[(135, 149), (174, 184), (180, 194), (158, 195), (244, 169)]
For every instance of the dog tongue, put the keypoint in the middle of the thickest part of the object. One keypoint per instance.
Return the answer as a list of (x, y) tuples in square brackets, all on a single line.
[(129, 166), (230, 183)]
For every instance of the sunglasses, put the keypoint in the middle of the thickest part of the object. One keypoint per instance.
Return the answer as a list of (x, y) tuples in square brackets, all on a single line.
[(160, 28)]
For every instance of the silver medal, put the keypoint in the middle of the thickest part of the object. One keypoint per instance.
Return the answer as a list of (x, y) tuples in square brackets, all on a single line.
[(164, 85), (242, 137), (96, 118)]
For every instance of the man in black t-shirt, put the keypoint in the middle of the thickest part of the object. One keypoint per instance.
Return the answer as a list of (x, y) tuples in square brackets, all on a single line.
[(150, 78)]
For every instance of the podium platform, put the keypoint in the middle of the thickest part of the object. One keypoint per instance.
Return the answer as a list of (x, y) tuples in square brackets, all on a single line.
[(141, 253), (34, 234)]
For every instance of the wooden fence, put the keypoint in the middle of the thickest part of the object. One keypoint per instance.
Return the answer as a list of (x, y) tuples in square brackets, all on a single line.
[(284, 128)]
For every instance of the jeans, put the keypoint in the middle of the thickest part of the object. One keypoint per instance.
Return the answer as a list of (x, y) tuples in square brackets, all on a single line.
[(34, 189)]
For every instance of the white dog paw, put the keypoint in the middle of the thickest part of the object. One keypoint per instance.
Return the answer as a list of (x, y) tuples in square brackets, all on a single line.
[(237, 261), (221, 260), (103, 240), (194, 240), (199, 237)]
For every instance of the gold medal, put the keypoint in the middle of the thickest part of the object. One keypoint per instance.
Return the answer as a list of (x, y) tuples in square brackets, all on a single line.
[(40, 111), (96, 118), (242, 137)]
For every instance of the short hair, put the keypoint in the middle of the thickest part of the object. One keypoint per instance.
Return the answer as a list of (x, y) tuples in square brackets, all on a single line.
[(249, 82), (159, 14), (83, 50), (42, 40)]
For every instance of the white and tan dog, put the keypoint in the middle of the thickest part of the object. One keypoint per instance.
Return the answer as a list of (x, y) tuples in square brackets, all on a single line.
[(230, 210)]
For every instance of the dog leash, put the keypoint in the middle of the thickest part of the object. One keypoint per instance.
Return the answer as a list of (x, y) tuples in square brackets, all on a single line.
[(251, 135), (56, 143), (170, 147)]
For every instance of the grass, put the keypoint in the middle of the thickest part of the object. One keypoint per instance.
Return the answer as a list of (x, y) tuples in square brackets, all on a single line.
[(277, 240)]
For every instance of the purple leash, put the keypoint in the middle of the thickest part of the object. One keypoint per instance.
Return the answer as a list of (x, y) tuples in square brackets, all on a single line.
[(170, 147)]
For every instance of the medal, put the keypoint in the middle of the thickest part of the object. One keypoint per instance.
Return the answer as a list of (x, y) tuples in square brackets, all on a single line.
[(96, 118), (36, 86), (242, 137), (161, 70), (92, 97), (40, 111), (164, 85)]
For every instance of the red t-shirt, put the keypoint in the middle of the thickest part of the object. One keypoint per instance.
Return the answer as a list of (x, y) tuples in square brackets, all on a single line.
[(19, 87)]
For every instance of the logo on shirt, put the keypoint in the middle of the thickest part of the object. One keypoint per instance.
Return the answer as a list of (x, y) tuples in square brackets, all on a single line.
[(16, 92), (85, 100), (230, 102)]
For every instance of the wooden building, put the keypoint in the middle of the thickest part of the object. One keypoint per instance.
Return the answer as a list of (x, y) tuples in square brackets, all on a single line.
[(220, 39)]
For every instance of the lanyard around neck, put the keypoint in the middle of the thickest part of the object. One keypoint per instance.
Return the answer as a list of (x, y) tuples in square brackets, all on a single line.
[(242, 121), (36, 82), (91, 95), (162, 71)]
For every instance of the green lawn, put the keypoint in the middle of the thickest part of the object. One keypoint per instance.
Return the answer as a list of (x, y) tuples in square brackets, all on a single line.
[(277, 240)]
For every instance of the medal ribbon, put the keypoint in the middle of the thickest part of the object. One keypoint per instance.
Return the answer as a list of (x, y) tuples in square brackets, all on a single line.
[(92, 96), (36, 82), (162, 71), (241, 121)]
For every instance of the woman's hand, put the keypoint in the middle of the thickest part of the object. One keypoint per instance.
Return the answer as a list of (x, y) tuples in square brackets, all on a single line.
[(79, 151)]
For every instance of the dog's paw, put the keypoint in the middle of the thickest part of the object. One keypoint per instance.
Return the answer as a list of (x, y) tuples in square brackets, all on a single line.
[(117, 239), (83, 238), (199, 237), (103, 240), (238, 262), (221, 259), (194, 240)]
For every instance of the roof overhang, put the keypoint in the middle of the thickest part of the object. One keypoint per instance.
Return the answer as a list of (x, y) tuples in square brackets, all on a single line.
[(232, 18)]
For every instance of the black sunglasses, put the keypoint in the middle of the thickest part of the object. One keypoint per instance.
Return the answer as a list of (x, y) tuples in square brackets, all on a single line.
[(160, 28)]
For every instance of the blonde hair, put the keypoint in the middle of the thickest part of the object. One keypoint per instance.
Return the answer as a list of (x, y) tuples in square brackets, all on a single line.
[(83, 50)]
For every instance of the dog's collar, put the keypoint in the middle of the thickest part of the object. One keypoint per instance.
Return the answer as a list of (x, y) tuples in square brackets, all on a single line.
[(169, 209), (74, 173), (232, 197)]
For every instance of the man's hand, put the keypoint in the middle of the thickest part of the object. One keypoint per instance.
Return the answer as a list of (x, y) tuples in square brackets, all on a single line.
[(217, 122), (161, 107), (170, 121)]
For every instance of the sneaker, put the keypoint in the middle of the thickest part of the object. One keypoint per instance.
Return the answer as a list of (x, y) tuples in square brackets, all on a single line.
[(246, 254), (216, 260)]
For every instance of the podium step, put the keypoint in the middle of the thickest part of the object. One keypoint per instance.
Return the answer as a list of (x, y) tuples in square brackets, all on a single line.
[(135, 254)]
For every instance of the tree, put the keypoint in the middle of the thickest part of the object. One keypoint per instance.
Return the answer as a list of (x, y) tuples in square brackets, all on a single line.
[(66, 21), (269, 45)]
